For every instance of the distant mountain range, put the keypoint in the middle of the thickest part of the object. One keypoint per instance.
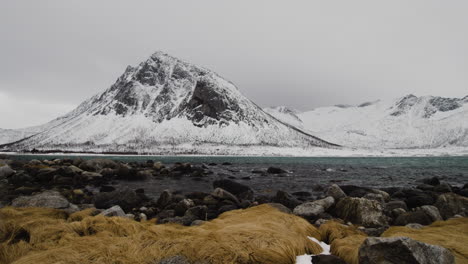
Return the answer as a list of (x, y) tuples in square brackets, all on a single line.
[(405, 123), (164, 105)]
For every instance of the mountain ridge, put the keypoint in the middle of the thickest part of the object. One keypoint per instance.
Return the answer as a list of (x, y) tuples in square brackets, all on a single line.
[(405, 122), (162, 103)]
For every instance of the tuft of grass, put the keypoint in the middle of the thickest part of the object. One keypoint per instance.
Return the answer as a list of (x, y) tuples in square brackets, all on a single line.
[(260, 234), (451, 234), (344, 240)]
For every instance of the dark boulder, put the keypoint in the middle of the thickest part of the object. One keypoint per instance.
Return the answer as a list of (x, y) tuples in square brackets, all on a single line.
[(232, 186), (275, 170), (402, 250), (125, 198), (327, 259), (286, 199)]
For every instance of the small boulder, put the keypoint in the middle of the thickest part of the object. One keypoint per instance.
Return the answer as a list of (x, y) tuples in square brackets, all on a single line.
[(327, 259), (6, 171), (361, 211), (275, 170), (450, 204), (114, 211), (336, 192), (232, 186), (402, 250), (224, 195), (431, 181), (286, 199), (443, 188), (49, 199), (125, 198), (97, 164), (91, 176), (312, 210), (164, 199)]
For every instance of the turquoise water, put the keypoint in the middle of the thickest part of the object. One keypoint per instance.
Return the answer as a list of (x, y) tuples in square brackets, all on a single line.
[(305, 173), (458, 161)]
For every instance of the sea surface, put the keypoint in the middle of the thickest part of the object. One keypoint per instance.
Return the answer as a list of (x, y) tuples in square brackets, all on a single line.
[(305, 174)]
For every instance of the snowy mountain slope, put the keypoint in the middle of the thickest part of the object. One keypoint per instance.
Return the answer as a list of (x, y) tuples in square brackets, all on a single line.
[(285, 114), (11, 135), (163, 103), (408, 122)]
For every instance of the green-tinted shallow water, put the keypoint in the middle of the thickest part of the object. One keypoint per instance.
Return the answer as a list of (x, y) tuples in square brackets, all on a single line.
[(305, 173), (458, 161)]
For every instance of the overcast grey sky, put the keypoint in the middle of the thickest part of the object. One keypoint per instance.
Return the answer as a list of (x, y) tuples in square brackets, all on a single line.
[(305, 54)]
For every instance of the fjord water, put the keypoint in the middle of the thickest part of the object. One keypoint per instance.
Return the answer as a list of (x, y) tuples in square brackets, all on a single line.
[(306, 174)]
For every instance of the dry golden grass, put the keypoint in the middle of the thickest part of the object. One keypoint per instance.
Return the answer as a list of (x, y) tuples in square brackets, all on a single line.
[(259, 234), (451, 234), (344, 240)]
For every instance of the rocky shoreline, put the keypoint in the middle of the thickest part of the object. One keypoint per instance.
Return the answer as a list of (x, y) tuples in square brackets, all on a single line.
[(73, 185)]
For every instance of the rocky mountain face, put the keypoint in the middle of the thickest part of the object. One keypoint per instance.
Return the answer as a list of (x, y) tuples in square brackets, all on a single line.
[(167, 105), (407, 122)]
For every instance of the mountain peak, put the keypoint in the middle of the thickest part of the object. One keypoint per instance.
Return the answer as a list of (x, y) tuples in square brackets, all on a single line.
[(164, 102)]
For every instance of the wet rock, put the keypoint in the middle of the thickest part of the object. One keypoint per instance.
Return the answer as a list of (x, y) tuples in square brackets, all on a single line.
[(395, 213), (361, 211), (375, 196), (327, 259), (46, 175), (280, 207), (181, 207), (106, 188), (335, 192), (125, 198), (24, 190), (20, 178), (164, 199), (425, 187), (417, 217), (374, 231), (48, 199), (91, 176), (165, 214), (414, 226), (450, 204), (463, 192), (95, 165), (196, 195), (6, 171), (224, 195), (431, 211), (419, 200), (197, 212), (355, 191), (158, 166), (431, 181), (197, 223), (275, 170), (312, 210), (286, 199), (144, 174), (226, 208), (443, 188), (114, 211), (71, 171), (394, 205), (232, 186), (402, 250)]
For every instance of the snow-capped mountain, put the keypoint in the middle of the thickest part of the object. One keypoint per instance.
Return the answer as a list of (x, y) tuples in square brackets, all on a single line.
[(166, 105), (407, 122)]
